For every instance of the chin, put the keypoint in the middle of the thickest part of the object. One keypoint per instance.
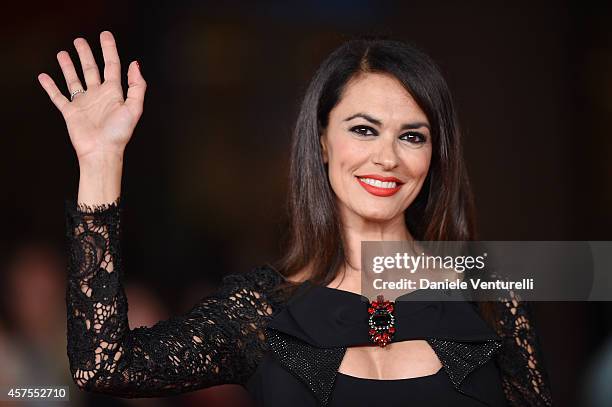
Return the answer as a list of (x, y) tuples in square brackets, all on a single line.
[(374, 215)]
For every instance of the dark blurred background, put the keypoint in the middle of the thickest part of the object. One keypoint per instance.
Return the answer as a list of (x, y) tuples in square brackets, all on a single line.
[(205, 175)]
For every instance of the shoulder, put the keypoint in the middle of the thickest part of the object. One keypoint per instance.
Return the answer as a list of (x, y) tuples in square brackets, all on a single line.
[(262, 278)]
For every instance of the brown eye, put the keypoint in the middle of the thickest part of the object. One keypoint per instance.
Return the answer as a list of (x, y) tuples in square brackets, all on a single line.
[(414, 137), (364, 130)]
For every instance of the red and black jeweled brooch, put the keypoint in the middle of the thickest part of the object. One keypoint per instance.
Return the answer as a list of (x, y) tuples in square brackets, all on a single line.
[(381, 321)]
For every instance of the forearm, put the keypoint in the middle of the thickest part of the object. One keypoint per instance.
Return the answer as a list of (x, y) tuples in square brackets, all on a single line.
[(219, 341), (100, 179)]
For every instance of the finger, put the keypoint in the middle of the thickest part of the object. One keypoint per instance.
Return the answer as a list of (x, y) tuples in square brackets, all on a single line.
[(72, 79), (59, 100), (136, 89), (88, 63), (112, 66)]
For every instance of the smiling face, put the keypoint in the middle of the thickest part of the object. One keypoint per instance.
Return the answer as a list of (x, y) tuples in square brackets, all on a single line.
[(378, 148)]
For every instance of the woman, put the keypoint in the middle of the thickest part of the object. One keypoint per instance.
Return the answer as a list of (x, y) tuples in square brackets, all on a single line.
[(376, 155)]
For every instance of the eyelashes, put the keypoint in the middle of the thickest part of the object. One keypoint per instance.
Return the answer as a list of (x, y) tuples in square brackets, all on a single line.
[(363, 130), (413, 137)]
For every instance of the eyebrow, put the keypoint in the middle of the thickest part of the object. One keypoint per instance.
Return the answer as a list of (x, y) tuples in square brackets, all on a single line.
[(378, 122)]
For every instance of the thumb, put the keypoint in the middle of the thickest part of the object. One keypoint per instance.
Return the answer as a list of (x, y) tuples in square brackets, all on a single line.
[(136, 89)]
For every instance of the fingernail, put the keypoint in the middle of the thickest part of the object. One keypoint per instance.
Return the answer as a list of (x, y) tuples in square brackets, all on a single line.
[(139, 66)]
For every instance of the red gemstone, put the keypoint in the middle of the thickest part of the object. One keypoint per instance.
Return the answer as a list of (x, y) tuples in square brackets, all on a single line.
[(392, 330), (370, 310)]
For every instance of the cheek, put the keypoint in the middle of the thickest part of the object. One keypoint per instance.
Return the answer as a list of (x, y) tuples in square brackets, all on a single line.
[(417, 162), (345, 156)]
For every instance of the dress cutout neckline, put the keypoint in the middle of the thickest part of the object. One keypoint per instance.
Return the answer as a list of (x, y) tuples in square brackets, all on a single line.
[(402, 380)]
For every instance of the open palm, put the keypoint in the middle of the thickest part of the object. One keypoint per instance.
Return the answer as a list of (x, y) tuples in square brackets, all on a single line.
[(99, 121)]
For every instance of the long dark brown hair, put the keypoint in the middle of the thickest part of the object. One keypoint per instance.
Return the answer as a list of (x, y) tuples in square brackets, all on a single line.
[(443, 209)]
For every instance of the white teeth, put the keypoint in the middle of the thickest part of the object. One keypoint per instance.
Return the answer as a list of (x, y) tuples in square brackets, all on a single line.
[(379, 184)]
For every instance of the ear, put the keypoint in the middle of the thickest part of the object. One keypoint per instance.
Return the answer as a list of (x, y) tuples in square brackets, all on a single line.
[(323, 141)]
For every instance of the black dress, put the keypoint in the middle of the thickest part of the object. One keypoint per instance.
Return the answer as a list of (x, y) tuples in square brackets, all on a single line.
[(318, 317), (285, 351)]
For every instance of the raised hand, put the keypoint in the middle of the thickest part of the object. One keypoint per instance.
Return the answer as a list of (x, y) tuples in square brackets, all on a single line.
[(100, 121)]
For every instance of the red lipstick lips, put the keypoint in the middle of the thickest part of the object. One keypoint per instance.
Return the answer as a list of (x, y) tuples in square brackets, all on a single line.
[(379, 191)]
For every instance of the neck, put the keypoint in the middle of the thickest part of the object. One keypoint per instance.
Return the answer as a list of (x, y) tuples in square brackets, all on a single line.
[(357, 229)]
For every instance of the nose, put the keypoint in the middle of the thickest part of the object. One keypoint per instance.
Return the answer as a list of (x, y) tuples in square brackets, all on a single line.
[(385, 155)]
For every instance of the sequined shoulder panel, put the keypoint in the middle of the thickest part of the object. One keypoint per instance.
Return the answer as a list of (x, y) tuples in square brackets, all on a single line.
[(461, 358), (315, 367)]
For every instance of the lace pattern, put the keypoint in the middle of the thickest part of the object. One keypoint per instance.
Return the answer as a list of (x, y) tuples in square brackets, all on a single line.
[(523, 377), (222, 338)]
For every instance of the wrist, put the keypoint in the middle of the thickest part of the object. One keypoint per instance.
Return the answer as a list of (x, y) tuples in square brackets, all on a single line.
[(100, 179), (98, 161)]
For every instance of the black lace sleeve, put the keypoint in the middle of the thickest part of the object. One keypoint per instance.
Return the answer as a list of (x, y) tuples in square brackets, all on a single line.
[(524, 377), (220, 340)]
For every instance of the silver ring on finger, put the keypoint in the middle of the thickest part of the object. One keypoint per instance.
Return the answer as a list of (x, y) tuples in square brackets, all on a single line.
[(76, 92)]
